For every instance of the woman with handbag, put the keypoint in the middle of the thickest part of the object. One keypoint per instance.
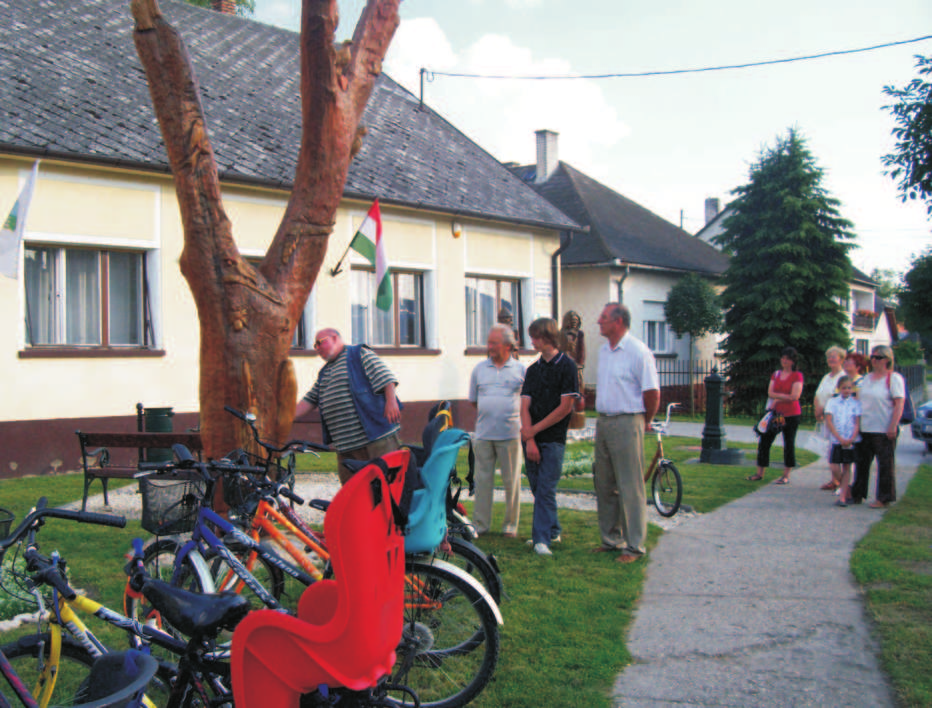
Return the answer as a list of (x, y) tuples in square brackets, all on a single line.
[(882, 394), (785, 388)]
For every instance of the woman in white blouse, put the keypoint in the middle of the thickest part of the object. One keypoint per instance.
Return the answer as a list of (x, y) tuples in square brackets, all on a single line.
[(882, 393)]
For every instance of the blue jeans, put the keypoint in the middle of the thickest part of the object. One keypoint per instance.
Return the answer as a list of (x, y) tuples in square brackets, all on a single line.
[(543, 477)]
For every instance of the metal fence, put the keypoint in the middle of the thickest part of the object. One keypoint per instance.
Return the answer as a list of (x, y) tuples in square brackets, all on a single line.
[(676, 377)]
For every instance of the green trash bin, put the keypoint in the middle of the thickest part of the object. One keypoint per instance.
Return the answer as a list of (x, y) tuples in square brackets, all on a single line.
[(158, 420)]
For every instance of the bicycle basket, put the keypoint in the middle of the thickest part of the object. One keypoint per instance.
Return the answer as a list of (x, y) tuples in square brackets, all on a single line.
[(170, 504), (239, 493)]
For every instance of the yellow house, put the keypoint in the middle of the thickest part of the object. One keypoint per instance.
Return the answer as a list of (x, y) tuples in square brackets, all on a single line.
[(100, 317)]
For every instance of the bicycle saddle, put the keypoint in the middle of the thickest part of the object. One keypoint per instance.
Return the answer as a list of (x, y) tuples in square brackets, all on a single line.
[(195, 614)]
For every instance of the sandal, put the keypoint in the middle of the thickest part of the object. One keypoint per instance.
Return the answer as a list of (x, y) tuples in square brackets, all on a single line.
[(830, 486), (782, 480), (755, 478)]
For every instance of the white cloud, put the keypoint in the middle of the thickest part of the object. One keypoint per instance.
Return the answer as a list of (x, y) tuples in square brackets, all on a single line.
[(502, 115)]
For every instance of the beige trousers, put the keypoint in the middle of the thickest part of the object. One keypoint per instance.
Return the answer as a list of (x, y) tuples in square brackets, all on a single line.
[(507, 455), (618, 476)]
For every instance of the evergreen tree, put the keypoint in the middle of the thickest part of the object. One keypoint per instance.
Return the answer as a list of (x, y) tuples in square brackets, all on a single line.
[(788, 272)]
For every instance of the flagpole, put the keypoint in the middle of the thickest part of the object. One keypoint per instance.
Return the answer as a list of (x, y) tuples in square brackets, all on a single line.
[(337, 269)]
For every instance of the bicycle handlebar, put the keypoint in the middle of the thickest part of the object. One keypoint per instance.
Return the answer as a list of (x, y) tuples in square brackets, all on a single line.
[(299, 445), (40, 512), (48, 571)]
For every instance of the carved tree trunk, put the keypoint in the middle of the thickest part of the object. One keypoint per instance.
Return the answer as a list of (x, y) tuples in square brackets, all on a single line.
[(247, 316)]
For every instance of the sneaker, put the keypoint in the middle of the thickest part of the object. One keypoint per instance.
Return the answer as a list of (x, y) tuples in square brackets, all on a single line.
[(542, 549), (557, 539)]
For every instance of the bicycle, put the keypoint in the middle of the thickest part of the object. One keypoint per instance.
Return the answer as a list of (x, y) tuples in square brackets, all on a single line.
[(451, 622), (666, 484), (59, 656)]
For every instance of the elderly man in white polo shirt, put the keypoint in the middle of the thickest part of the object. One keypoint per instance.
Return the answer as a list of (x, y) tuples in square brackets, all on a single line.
[(627, 398), (495, 391)]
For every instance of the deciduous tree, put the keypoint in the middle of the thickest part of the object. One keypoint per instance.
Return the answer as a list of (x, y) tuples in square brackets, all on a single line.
[(789, 269), (247, 314), (910, 163), (693, 308), (916, 296)]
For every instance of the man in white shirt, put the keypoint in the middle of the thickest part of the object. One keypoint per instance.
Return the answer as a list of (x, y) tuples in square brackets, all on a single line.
[(627, 397), (495, 391)]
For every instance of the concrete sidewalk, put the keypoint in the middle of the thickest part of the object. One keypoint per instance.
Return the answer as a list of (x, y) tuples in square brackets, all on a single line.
[(754, 604)]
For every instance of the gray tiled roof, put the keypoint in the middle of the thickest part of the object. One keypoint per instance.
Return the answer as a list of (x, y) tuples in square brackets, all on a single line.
[(72, 86), (620, 228)]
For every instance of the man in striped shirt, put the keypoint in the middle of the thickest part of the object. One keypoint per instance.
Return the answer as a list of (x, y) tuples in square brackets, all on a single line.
[(355, 392)]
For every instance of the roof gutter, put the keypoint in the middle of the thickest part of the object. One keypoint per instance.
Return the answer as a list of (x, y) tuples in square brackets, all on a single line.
[(566, 238)]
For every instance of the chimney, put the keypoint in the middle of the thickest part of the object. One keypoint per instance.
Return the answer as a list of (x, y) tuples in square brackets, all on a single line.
[(227, 7), (711, 209), (546, 154)]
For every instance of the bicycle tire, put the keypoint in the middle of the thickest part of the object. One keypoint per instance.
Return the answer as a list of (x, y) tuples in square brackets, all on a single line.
[(449, 649), (667, 489), (73, 669), (470, 558), (159, 561)]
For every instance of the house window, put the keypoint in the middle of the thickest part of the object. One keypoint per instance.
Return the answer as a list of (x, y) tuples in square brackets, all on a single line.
[(84, 297), (862, 346), (402, 325), (658, 336), (486, 298)]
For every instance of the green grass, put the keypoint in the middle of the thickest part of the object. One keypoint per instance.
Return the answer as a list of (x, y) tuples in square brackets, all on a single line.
[(566, 617), (893, 564)]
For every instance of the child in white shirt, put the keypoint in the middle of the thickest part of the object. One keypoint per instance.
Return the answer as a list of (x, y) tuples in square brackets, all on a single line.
[(843, 420)]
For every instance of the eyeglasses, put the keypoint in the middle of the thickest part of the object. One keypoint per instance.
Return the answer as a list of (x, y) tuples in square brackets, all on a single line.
[(320, 341), (878, 356)]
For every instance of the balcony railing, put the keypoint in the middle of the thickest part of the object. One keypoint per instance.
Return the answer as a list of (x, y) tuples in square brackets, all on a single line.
[(864, 322)]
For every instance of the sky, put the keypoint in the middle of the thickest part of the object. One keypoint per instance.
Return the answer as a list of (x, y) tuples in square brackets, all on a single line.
[(669, 142)]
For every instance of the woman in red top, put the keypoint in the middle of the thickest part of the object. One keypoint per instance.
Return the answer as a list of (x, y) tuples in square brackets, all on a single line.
[(786, 386)]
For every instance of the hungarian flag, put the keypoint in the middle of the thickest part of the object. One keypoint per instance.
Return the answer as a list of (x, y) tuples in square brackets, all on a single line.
[(368, 243), (15, 225)]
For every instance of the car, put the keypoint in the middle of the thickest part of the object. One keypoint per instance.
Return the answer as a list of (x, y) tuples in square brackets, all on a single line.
[(922, 424)]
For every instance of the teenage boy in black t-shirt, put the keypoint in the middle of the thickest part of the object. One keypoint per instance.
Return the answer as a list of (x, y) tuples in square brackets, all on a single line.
[(547, 398)]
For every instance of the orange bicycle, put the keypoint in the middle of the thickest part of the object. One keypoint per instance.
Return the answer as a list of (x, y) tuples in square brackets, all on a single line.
[(666, 484)]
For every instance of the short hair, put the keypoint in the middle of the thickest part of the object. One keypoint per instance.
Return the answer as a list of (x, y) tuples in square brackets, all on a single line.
[(791, 354), (838, 351), (508, 334), (884, 350), (545, 328), (859, 360), (618, 311), (842, 380)]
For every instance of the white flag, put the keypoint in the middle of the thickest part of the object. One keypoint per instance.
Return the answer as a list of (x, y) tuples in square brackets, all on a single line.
[(11, 235)]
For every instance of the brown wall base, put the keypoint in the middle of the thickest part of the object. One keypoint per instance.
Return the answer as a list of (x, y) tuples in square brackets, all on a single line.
[(43, 447)]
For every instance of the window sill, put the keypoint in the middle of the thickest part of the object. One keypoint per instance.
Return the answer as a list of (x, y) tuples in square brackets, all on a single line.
[(664, 355), (406, 351), (89, 353), (484, 351)]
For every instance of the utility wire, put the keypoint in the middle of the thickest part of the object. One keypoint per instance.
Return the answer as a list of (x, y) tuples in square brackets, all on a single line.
[(430, 74)]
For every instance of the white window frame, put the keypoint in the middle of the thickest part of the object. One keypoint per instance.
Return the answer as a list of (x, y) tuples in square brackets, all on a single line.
[(523, 302), (421, 281)]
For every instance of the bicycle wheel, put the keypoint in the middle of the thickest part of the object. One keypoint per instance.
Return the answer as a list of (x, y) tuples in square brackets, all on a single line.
[(30, 654), (450, 640), (471, 559), (159, 561), (667, 489)]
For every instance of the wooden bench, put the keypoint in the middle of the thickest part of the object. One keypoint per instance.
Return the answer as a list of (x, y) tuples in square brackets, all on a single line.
[(96, 447)]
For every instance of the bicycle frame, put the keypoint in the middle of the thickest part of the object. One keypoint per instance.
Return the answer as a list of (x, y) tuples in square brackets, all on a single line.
[(203, 537), (65, 618), (264, 521)]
